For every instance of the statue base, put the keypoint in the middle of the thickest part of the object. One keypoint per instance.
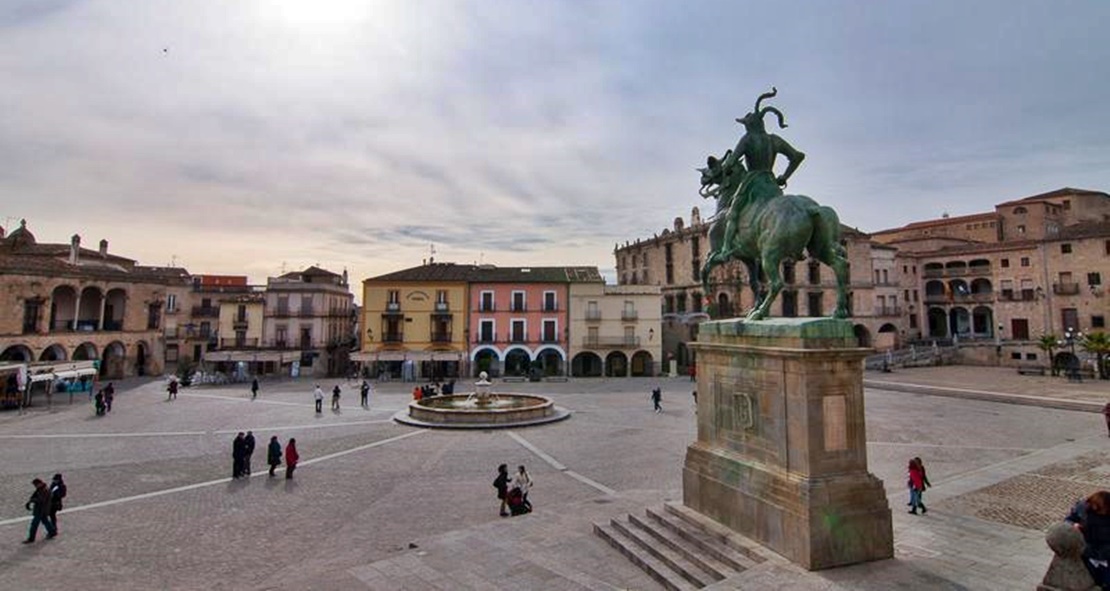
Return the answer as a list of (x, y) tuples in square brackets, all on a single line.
[(781, 455)]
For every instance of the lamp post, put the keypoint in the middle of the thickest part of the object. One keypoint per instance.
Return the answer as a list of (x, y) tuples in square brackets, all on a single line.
[(1071, 335)]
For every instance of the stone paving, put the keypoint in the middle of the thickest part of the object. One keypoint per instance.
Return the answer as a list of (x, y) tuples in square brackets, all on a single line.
[(378, 505)]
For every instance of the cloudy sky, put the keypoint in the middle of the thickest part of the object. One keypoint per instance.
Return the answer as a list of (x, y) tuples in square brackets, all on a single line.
[(246, 136)]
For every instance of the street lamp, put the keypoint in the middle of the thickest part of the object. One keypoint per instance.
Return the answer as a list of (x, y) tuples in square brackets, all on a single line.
[(1071, 335)]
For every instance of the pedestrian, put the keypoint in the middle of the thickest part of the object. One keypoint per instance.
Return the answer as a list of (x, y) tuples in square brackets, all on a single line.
[(523, 481), (109, 391), (291, 458), (57, 493), (318, 394), (1106, 415), (657, 399), (335, 397), (501, 483), (273, 454), (364, 394), (172, 389), (237, 449), (39, 506), (98, 403), (1091, 516), (254, 388), (248, 451), (109, 396), (917, 483)]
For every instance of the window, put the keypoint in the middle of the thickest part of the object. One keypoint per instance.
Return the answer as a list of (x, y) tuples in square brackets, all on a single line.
[(550, 304), (789, 303), (1030, 356), (153, 316), (1021, 229), (485, 331), (814, 304), (306, 305), (550, 331), (680, 301), (668, 304), (205, 330), (630, 336), (1020, 210), (876, 275), (1098, 321), (171, 302), (886, 278), (281, 336), (696, 302), (32, 309), (913, 320), (629, 311), (1107, 247), (518, 301), (518, 331), (1015, 355), (592, 311), (1005, 263), (486, 302), (1094, 279), (1019, 328), (441, 296), (814, 273), (241, 313), (306, 337), (1007, 288), (905, 295), (394, 297), (669, 263), (788, 273), (1065, 248), (1024, 261)]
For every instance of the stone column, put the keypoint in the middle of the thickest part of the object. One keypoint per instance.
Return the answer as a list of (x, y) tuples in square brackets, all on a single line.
[(781, 454), (76, 310), (103, 305)]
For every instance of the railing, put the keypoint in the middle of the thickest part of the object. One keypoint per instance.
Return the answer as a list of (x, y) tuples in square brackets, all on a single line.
[(549, 339), (979, 270), (487, 307), (518, 338), (393, 308), (306, 312), (486, 339), (629, 315), (206, 312), (239, 343), (593, 315), (933, 273), (393, 337), (441, 336), (955, 271), (113, 325), (281, 312), (552, 308), (239, 323), (1065, 288), (596, 342), (442, 307), (888, 311), (518, 308)]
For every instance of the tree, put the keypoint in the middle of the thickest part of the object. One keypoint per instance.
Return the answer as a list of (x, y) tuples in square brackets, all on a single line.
[(185, 370), (1047, 343), (1098, 344)]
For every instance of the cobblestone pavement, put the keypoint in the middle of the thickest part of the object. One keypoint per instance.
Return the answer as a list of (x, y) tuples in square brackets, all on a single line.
[(383, 506), (999, 380)]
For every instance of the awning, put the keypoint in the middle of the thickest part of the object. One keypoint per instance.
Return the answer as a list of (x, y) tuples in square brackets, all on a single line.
[(62, 375), (370, 357), (276, 356)]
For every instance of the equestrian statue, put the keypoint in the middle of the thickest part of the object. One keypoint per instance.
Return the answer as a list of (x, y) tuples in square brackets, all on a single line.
[(761, 227)]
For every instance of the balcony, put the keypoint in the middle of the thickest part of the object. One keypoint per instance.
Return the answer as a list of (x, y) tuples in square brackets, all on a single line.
[(518, 338), (206, 312), (1065, 288), (239, 323), (549, 339), (518, 308), (282, 312), (172, 334), (113, 325), (930, 273), (487, 308), (441, 336), (442, 308), (605, 342), (629, 315), (392, 308), (485, 339), (306, 312), (593, 315), (393, 337), (239, 343), (888, 311), (550, 308)]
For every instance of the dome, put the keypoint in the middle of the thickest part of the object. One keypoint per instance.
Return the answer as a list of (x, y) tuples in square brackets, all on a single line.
[(21, 236)]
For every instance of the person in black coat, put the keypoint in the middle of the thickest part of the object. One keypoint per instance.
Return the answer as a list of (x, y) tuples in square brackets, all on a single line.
[(39, 505), (1091, 516), (273, 454), (501, 483), (57, 493), (248, 451), (237, 451)]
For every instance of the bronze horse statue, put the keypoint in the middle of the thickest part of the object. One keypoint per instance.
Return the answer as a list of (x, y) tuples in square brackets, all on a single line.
[(762, 227)]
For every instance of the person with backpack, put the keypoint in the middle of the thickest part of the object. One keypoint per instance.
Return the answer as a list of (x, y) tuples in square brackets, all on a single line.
[(57, 493), (501, 483), (273, 454)]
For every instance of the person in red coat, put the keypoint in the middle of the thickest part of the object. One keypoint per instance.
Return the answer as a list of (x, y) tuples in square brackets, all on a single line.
[(291, 457), (917, 481)]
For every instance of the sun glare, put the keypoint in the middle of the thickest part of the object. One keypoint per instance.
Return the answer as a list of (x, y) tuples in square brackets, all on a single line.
[(324, 13)]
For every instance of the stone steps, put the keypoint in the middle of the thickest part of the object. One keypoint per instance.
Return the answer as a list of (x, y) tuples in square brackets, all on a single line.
[(679, 548)]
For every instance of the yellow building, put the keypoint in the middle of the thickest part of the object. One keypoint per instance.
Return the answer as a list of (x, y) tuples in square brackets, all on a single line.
[(414, 322)]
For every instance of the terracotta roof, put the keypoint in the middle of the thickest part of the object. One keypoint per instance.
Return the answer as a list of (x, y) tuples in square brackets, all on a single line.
[(1083, 230), (939, 222), (1058, 193), (451, 272)]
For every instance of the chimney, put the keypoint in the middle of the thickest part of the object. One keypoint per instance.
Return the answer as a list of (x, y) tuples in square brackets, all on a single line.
[(74, 248), (104, 248)]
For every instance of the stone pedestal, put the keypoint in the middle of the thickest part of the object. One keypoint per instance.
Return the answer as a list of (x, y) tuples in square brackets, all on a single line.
[(781, 455)]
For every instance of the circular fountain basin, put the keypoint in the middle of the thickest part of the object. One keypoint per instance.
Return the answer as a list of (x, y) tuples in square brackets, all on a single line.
[(462, 411)]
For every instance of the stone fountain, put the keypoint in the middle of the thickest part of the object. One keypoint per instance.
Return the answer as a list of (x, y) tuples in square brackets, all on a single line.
[(481, 409)]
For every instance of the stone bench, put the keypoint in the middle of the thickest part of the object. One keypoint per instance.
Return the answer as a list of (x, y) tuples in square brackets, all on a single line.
[(514, 379), (1066, 571), (555, 379), (1030, 370)]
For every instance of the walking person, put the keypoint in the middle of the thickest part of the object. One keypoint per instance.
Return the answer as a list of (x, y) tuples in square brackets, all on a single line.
[(1106, 415), (248, 451), (335, 397), (1091, 516), (523, 481), (39, 506), (109, 396), (172, 389), (273, 454), (57, 493), (364, 394), (318, 394), (501, 483), (237, 450), (657, 399), (291, 458), (917, 483), (254, 388), (98, 403)]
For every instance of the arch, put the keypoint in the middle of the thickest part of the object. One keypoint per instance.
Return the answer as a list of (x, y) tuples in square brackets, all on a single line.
[(90, 305), (85, 352), (955, 267), (54, 352), (113, 361), (934, 288), (142, 358), (517, 362), (888, 327), (724, 306), (863, 336), (959, 321), (982, 321), (115, 303), (616, 364), (17, 353), (933, 269), (938, 323), (959, 287), (979, 265), (1019, 210), (586, 364), (486, 359), (643, 364), (981, 286), (551, 361), (63, 303)]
